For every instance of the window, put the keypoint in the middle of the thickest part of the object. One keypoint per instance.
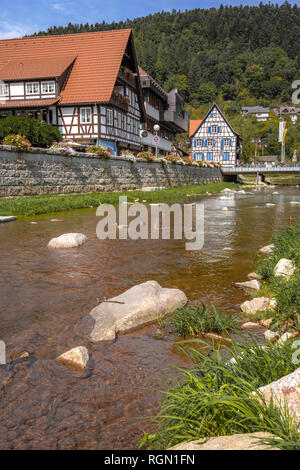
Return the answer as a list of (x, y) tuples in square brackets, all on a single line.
[(209, 142), (4, 89), (85, 115), (32, 88), (119, 120), (209, 156), (226, 156), (227, 142), (48, 87), (109, 117), (214, 129)]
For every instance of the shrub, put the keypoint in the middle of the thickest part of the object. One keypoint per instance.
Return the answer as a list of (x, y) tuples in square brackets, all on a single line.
[(99, 150), (128, 154), (172, 159), (62, 147), (37, 132), (214, 397), (18, 141), (196, 319), (147, 155)]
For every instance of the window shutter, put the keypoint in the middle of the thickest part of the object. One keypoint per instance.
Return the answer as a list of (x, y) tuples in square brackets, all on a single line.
[(230, 143), (209, 129), (222, 142), (194, 156), (195, 143), (218, 129), (206, 143)]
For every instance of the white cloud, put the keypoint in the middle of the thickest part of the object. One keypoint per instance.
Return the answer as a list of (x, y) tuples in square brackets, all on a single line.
[(60, 7), (10, 31)]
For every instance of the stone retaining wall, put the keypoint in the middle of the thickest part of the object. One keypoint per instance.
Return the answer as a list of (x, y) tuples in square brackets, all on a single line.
[(42, 172)]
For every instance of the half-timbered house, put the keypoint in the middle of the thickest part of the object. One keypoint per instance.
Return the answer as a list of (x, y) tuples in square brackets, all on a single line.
[(214, 140), (86, 84)]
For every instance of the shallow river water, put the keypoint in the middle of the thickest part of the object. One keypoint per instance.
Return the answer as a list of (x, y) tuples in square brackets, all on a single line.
[(44, 293)]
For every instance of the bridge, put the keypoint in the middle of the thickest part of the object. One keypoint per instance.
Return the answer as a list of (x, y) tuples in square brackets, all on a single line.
[(232, 173)]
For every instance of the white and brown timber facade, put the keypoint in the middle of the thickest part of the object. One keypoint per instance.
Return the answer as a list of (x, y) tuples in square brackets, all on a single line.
[(85, 84)]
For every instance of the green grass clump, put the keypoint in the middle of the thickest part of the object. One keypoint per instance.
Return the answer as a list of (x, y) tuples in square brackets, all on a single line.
[(215, 398), (33, 205), (196, 319)]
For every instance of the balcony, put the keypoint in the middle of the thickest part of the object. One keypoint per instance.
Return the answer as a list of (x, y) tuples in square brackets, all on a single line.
[(163, 143), (151, 111), (179, 122)]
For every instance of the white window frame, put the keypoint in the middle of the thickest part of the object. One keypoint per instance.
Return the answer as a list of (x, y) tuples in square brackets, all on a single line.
[(209, 142), (109, 117), (47, 88), (86, 115), (4, 89), (32, 88), (226, 141), (214, 129)]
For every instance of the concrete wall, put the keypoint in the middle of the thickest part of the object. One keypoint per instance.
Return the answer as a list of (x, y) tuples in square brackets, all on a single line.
[(42, 172)]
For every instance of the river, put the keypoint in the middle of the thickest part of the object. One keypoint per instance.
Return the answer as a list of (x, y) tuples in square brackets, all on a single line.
[(44, 293)]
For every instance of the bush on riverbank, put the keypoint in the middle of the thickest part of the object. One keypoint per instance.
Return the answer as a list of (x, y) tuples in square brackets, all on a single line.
[(33, 205), (37, 132), (286, 291), (196, 319), (214, 398)]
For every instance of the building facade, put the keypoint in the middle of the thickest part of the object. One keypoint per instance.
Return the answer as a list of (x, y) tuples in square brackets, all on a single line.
[(86, 84), (290, 111), (261, 114), (214, 140), (164, 109)]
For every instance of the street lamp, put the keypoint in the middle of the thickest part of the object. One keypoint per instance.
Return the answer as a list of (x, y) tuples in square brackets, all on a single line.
[(156, 129)]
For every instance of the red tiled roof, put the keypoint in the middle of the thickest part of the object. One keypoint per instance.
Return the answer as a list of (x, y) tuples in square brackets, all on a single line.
[(194, 124), (27, 103), (46, 67), (98, 59)]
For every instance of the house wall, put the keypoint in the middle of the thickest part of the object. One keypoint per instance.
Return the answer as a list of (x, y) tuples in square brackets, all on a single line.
[(42, 172), (211, 146)]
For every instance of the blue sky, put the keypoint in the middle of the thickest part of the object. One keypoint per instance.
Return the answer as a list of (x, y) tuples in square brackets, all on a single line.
[(19, 17)]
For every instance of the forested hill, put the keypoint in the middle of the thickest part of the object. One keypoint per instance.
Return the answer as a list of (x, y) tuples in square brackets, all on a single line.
[(248, 54)]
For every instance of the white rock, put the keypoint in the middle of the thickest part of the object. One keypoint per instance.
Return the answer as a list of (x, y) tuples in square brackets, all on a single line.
[(271, 336), (225, 209), (250, 307), (284, 267), (295, 202), (137, 306), (267, 249), (7, 218), (77, 356), (234, 442), (285, 390), (226, 190), (258, 277), (269, 204), (68, 240), (254, 284), (285, 337)]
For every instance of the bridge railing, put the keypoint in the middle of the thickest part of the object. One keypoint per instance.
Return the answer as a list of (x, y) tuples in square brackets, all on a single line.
[(261, 169)]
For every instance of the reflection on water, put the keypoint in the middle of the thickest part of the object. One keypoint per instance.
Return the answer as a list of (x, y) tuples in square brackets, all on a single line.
[(44, 293)]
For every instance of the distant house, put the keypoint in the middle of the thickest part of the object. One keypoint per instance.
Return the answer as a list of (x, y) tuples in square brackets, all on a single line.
[(164, 109), (261, 114), (266, 160), (85, 84), (214, 140), (290, 111)]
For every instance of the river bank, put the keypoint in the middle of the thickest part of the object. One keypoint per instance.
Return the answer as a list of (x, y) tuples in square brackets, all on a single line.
[(44, 293), (248, 393), (34, 205)]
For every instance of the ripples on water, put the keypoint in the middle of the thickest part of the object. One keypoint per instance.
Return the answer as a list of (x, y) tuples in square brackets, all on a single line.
[(44, 294)]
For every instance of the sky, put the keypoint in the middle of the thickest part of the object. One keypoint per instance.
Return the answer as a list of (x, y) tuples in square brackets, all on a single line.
[(20, 17)]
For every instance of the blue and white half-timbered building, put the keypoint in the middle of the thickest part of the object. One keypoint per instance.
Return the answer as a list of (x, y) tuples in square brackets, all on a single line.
[(214, 140)]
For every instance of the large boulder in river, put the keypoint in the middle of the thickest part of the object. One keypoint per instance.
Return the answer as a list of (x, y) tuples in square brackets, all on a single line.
[(286, 389), (284, 267), (68, 240), (137, 306), (250, 307), (267, 250)]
